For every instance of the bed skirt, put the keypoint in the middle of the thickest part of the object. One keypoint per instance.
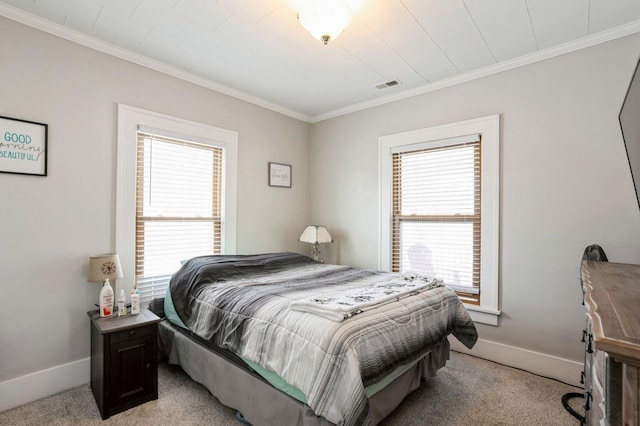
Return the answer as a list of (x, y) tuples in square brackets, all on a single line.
[(238, 387)]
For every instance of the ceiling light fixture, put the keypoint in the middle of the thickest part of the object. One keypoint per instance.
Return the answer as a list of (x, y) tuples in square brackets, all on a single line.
[(325, 19)]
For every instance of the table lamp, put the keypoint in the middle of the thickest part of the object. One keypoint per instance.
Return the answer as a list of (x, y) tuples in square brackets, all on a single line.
[(316, 235)]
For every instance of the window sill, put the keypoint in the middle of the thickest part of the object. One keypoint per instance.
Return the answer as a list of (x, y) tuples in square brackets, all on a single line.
[(483, 315)]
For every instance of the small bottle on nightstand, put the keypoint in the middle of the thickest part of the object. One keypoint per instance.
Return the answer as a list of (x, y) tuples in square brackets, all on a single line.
[(135, 301), (122, 308)]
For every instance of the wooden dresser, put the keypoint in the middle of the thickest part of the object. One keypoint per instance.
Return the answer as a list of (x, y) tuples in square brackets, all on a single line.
[(612, 343)]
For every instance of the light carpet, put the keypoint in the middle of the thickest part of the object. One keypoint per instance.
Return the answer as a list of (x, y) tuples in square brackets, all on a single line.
[(468, 391)]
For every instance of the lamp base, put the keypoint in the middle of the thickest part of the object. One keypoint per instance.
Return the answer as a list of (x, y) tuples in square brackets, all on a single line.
[(316, 251)]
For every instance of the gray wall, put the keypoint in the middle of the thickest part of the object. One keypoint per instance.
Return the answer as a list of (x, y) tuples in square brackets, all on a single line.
[(51, 225), (564, 177)]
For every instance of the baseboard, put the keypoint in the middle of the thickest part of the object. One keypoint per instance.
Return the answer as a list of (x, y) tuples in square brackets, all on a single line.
[(33, 386), (561, 369)]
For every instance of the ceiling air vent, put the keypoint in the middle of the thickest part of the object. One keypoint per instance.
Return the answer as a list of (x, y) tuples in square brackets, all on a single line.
[(387, 84)]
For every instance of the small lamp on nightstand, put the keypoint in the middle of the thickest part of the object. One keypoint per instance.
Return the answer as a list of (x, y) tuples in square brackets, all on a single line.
[(102, 268), (316, 235)]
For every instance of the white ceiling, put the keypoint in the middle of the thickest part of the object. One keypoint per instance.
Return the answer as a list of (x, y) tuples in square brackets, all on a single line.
[(256, 49)]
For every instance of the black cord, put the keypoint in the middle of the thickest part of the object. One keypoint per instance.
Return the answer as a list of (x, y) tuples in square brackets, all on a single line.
[(241, 419), (565, 403)]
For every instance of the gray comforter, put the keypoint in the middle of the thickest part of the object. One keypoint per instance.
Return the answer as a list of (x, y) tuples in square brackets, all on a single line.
[(242, 303)]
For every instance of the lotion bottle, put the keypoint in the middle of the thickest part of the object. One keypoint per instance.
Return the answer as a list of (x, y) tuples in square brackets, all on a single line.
[(106, 299), (122, 308)]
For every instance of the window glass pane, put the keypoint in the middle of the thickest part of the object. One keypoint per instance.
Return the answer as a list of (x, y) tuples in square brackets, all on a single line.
[(441, 250), (438, 182), (178, 180), (167, 244), (151, 287)]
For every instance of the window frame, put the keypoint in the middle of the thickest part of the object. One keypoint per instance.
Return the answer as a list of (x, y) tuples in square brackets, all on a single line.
[(489, 129), (130, 120)]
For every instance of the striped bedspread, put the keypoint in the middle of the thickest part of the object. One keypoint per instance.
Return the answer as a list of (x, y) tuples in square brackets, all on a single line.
[(243, 303)]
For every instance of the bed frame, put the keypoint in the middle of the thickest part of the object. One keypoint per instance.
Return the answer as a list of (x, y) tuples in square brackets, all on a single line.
[(237, 386)]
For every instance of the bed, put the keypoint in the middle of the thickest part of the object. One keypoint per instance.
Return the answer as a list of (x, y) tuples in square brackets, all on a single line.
[(288, 340)]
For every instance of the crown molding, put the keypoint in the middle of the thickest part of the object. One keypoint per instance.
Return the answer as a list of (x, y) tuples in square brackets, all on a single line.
[(582, 43), (61, 31)]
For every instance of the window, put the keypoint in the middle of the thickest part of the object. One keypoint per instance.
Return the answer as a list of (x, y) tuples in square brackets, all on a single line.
[(175, 196), (179, 203), (439, 208), (436, 214)]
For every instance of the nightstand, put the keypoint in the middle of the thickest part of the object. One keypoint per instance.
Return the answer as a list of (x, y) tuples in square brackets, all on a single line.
[(124, 360)]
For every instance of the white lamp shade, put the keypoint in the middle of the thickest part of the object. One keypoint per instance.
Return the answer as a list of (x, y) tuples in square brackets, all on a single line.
[(325, 19), (316, 234), (104, 266)]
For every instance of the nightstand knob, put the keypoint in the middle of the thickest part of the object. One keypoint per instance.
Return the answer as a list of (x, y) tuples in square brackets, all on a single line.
[(132, 332), (148, 366)]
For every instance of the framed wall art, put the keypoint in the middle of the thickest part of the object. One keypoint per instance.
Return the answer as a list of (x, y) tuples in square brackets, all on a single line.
[(280, 175), (23, 147)]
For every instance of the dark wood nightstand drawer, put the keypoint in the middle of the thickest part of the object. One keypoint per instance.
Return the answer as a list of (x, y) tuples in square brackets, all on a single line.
[(132, 333)]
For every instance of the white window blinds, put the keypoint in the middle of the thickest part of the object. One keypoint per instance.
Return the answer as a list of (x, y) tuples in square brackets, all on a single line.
[(179, 207), (436, 216)]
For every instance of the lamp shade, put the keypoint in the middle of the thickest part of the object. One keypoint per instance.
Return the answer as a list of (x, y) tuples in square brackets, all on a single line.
[(325, 19), (316, 234), (104, 266)]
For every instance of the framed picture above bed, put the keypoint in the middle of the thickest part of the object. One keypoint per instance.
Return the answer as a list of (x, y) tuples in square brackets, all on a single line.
[(280, 175)]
